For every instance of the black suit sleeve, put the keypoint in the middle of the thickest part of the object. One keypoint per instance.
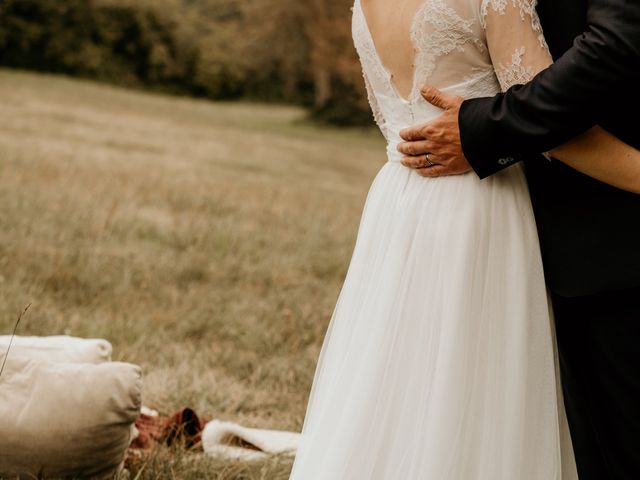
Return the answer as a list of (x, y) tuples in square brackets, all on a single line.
[(561, 101)]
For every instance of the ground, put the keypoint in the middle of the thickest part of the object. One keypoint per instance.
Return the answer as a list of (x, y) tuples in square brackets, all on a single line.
[(207, 241)]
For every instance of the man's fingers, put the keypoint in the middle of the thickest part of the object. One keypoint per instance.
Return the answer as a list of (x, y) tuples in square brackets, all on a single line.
[(419, 147), (443, 170), (411, 134), (435, 171), (437, 98), (416, 162)]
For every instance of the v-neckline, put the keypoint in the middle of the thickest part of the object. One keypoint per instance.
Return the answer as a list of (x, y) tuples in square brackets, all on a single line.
[(389, 75)]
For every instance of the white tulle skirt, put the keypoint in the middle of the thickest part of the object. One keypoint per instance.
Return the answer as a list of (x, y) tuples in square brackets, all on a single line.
[(438, 362)]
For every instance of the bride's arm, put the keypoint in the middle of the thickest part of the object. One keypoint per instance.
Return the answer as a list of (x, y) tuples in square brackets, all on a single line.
[(518, 52), (600, 155)]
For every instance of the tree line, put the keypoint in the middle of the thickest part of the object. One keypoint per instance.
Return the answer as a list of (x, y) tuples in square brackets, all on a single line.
[(273, 50)]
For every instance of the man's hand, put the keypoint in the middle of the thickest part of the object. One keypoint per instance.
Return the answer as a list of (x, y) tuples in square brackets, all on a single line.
[(440, 139)]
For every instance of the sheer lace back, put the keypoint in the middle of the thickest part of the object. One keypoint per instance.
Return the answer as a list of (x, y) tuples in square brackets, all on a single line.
[(470, 47)]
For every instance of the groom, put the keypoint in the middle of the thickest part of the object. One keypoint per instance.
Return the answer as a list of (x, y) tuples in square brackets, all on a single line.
[(589, 231)]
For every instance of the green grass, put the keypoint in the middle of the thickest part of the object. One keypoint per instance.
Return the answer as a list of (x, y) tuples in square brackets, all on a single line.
[(207, 241)]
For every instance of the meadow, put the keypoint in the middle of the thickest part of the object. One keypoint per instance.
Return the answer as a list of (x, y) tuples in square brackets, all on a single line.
[(206, 241)]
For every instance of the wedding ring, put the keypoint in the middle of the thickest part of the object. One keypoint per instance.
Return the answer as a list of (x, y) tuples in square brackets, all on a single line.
[(429, 162)]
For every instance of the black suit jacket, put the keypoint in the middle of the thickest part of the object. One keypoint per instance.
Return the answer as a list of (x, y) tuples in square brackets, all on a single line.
[(589, 231)]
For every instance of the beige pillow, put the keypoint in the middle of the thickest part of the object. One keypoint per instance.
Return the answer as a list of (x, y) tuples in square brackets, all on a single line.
[(58, 348), (66, 419)]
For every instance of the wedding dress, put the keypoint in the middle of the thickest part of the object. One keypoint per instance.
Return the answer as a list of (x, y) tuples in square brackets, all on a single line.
[(438, 362)]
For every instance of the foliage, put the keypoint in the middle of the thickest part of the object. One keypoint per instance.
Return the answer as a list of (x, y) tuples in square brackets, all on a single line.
[(273, 50), (104, 40)]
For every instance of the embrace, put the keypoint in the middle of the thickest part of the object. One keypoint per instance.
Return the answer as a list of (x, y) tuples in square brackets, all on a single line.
[(488, 327)]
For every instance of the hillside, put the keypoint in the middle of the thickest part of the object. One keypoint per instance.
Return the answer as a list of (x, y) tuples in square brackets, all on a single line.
[(207, 241), (278, 51)]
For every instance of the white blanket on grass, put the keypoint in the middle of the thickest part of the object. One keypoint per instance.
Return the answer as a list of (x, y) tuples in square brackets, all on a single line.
[(224, 438)]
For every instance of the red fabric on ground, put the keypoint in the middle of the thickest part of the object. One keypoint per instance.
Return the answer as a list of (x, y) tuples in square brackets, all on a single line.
[(184, 427)]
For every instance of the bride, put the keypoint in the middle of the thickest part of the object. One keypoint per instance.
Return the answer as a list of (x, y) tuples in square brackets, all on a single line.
[(438, 362)]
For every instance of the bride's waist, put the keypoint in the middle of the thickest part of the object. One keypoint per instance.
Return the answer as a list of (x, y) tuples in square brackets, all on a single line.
[(393, 140), (422, 113), (393, 155), (399, 114)]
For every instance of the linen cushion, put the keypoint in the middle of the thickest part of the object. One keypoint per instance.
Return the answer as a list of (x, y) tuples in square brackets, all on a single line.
[(59, 348), (66, 419)]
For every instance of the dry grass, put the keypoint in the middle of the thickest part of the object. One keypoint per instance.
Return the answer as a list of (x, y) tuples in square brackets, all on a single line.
[(206, 241)]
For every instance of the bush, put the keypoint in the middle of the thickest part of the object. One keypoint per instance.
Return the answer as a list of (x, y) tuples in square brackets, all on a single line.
[(107, 41), (344, 108), (209, 48)]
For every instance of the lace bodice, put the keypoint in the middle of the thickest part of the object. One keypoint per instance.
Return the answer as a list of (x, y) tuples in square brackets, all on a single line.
[(469, 47)]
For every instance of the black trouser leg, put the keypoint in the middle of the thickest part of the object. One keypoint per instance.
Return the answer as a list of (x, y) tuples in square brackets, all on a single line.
[(599, 346)]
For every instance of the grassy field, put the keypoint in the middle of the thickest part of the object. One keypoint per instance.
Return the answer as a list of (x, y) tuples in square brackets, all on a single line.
[(206, 241)]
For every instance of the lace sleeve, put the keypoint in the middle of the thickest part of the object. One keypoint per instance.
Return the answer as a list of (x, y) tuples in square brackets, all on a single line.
[(375, 108), (515, 40)]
